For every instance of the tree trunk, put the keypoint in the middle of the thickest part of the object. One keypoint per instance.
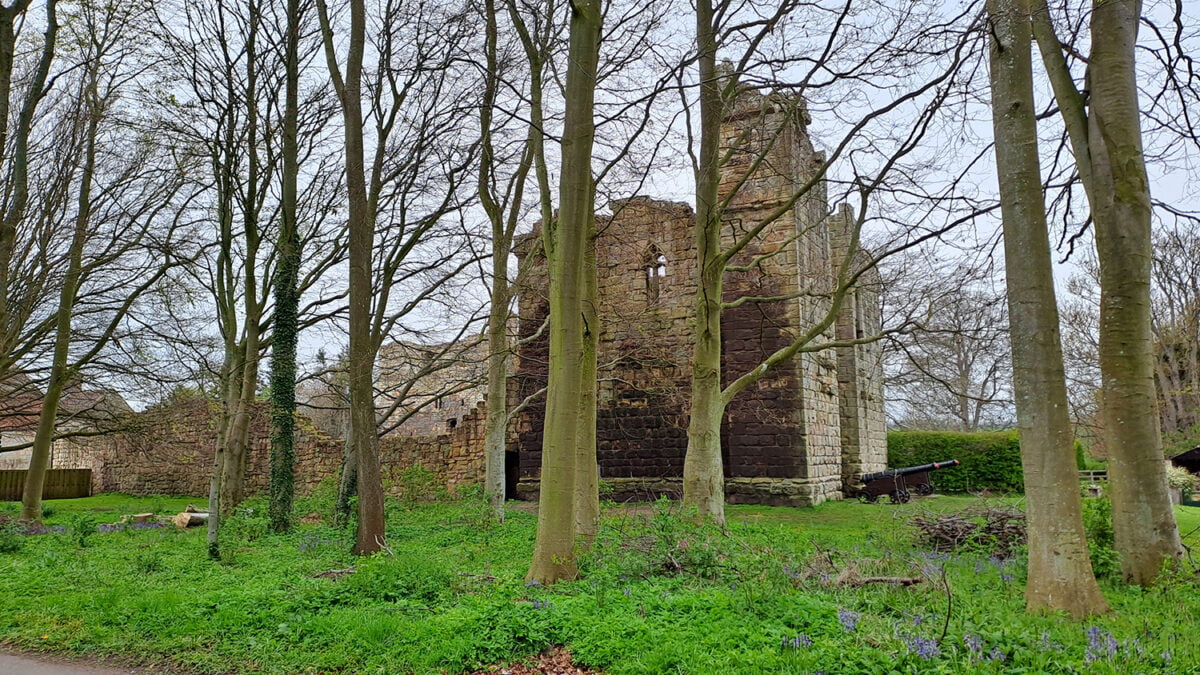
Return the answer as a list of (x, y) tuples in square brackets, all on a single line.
[(18, 197), (363, 433), (286, 328), (237, 443), (703, 471), (587, 470), (1107, 144), (496, 423), (566, 244), (61, 372), (1146, 535), (1060, 570)]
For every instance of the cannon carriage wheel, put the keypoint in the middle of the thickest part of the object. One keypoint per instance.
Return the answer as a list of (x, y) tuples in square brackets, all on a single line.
[(900, 496)]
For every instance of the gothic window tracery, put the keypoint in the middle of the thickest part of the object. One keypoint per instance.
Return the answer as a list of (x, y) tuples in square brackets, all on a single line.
[(655, 269)]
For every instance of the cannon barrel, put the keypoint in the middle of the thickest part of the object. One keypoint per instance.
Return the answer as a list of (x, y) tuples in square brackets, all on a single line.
[(908, 470)]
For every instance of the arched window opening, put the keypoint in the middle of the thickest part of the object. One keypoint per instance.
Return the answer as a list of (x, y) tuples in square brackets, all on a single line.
[(655, 268)]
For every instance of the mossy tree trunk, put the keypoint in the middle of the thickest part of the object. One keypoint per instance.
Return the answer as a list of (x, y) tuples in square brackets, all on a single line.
[(703, 471), (566, 242), (1144, 527), (1060, 570)]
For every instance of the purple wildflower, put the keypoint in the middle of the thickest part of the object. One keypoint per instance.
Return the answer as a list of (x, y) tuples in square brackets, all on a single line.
[(1101, 644), (978, 567), (925, 648), (627, 592), (973, 643), (533, 584), (849, 619), (998, 655), (1166, 657), (796, 642), (1046, 644)]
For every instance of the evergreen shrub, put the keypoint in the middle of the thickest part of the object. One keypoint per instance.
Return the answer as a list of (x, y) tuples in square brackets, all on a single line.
[(989, 460)]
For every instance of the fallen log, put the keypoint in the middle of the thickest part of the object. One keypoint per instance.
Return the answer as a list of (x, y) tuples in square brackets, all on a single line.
[(185, 520), (898, 581)]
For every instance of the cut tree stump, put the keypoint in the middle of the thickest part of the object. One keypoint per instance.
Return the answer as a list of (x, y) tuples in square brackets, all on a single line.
[(186, 520)]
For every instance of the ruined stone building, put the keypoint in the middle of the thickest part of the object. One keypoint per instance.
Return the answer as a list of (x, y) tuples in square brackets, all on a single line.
[(797, 437), (803, 432)]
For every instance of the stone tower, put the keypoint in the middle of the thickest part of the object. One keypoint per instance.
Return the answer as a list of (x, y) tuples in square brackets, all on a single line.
[(791, 438)]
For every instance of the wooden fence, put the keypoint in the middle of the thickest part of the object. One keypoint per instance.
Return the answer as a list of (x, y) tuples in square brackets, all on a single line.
[(60, 484)]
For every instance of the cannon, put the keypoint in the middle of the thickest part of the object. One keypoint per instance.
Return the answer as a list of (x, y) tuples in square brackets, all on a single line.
[(897, 483)]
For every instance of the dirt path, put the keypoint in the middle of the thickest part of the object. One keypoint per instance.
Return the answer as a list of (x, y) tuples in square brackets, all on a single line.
[(39, 664)]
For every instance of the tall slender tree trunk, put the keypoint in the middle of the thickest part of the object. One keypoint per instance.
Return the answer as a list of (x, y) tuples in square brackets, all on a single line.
[(1060, 570), (703, 471), (60, 371), (1107, 143), (237, 450), (363, 436), (496, 423), (286, 325), (229, 393), (566, 243), (1146, 534)]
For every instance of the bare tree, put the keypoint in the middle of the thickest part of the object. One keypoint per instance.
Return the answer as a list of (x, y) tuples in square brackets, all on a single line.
[(408, 188), (951, 369), (1060, 570), (1104, 129), (230, 115), (122, 237), (754, 39)]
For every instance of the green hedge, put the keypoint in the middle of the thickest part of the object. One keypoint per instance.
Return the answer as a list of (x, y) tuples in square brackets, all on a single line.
[(990, 460)]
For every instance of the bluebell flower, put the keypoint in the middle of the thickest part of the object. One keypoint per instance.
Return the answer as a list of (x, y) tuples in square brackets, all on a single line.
[(849, 619), (796, 642), (973, 643), (532, 584), (926, 648), (1101, 644), (998, 655)]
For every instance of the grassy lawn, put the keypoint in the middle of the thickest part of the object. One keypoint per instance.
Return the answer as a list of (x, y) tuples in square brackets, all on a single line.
[(774, 594)]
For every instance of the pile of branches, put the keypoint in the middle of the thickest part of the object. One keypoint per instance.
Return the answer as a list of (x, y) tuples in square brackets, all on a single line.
[(993, 528)]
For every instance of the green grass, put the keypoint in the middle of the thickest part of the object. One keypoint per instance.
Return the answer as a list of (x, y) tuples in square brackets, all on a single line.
[(657, 595)]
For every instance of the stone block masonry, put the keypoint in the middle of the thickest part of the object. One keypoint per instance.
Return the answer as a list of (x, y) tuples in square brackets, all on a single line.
[(170, 452), (799, 436), (804, 430)]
